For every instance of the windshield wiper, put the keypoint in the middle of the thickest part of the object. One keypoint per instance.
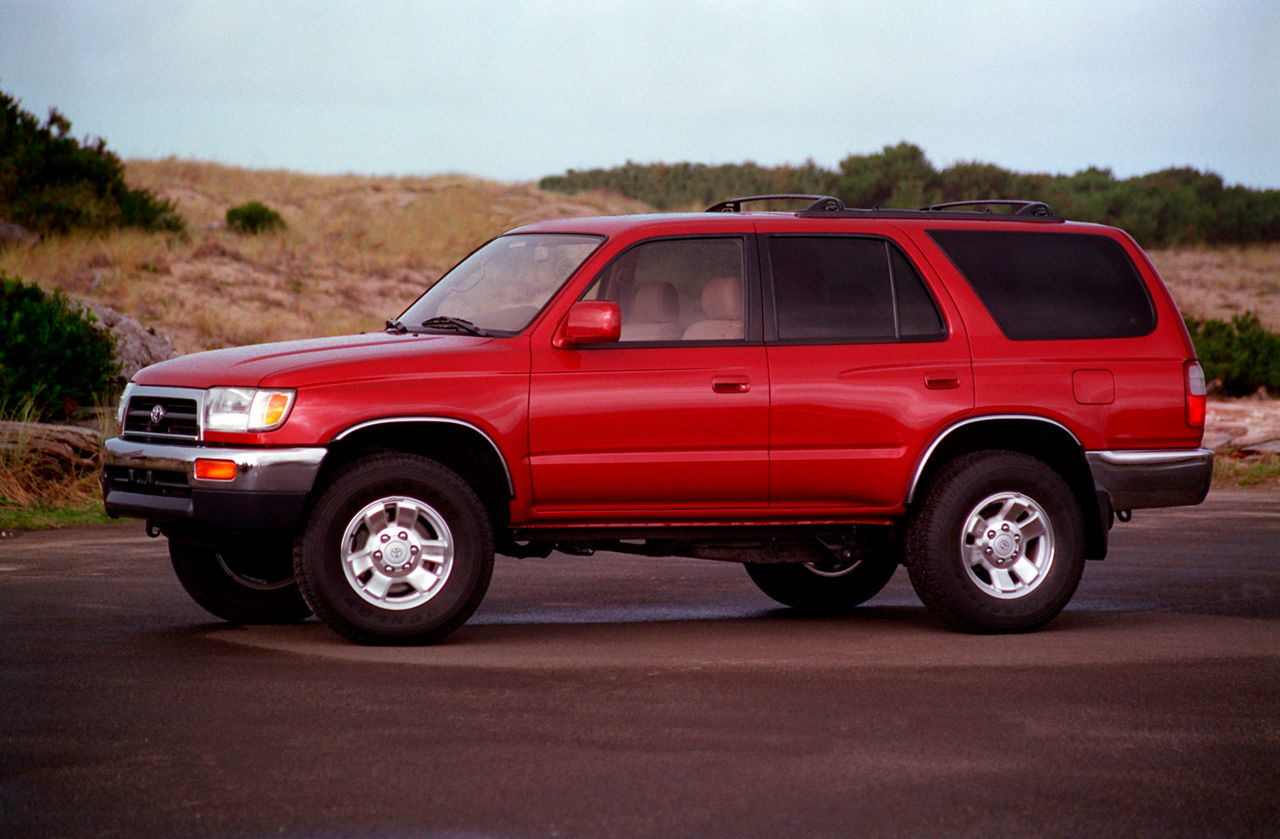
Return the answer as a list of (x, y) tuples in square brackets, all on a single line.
[(446, 322), (394, 325)]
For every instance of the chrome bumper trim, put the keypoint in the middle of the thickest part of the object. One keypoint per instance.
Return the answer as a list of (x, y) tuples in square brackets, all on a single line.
[(257, 470)]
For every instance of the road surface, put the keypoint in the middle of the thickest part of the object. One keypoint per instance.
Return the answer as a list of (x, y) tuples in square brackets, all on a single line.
[(625, 697)]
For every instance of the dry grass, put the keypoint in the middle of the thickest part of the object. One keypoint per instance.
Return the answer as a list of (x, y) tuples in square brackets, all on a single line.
[(33, 488), (25, 483), (1237, 469), (1223, 282), (357, 250), (49, 490)]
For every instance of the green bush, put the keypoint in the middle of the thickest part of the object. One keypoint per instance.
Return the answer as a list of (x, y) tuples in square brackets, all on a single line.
[(1241, 356), (254, 218), (52, 183), (1170, 207), (52, 358)]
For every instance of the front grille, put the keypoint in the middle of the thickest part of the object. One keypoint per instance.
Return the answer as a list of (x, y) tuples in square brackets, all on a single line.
[(162, 419), (146, 481)]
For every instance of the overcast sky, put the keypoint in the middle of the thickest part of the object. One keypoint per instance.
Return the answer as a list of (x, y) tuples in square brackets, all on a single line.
[(520, 89)]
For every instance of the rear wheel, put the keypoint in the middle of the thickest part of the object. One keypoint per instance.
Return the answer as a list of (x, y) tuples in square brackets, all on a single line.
[(997, 543), (248, 582), (828, 582), (397, 549)]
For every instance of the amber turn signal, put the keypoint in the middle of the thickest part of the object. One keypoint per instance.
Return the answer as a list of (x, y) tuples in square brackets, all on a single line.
[(215, 470)]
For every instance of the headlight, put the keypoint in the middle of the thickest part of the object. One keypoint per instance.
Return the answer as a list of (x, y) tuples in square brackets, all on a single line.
[(122, 410), (246, 409)]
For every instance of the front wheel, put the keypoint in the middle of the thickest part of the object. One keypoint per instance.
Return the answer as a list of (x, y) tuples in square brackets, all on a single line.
[(397, 549), (997, 543), (246, 582)]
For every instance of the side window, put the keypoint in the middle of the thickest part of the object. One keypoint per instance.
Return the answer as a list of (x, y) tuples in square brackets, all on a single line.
[(1052, 286), (849, 289), (677, 290)]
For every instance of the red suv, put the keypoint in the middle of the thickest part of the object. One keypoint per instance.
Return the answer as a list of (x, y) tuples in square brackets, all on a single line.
[(976, 391)]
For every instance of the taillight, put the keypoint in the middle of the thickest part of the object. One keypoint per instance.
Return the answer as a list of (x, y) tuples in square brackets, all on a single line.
[(1196, 398)]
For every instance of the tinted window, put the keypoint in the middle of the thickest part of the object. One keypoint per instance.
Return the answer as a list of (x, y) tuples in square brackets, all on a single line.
[(844, 288), (1045, 286), (678, 290)]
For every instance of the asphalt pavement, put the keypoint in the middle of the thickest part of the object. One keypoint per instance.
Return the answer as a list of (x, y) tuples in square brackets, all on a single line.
[(614, 696)]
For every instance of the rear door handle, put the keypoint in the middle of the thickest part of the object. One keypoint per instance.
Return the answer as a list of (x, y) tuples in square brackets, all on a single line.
[(722, 384), (941, 379)]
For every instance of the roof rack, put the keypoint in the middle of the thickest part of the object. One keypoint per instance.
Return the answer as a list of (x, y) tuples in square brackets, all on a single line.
[(828, 205), (1016, 207), (818, 203)]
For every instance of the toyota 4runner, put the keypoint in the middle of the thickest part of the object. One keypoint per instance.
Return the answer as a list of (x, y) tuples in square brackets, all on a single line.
[(976, 391)]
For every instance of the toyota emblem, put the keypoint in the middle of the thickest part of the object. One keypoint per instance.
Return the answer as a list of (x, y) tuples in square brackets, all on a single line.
[(157, 415)]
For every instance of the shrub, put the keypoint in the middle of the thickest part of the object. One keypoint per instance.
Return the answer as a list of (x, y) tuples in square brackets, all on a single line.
[(1240, 356), (52, 358), (52, 183), (1169, 207), (254, 218)]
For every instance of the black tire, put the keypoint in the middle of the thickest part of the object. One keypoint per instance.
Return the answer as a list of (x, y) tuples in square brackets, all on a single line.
[(397, 549), (242, 583), (824, 586), (996, 544)]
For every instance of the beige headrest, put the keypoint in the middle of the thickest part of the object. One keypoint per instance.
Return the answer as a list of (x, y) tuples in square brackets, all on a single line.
[(656, 303), (722, 299)]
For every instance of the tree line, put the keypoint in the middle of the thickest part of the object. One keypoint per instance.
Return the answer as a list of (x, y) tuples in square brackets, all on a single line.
[(1177, 206), (50, 182)]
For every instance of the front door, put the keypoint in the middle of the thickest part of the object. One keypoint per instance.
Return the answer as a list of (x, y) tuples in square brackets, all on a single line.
[(673, 419)]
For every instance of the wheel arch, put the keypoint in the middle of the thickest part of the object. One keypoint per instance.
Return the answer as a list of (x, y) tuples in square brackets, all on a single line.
[(457, 444), (1039, 437)]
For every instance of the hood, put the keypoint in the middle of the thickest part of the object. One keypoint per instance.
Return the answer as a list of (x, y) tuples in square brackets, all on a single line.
[(373, 355)]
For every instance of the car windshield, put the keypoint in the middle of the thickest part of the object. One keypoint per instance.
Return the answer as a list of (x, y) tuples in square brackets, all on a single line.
[(500, 288)]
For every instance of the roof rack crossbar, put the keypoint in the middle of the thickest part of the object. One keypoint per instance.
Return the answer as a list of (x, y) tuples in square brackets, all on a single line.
[(828, 206), (819, 203), (1018, 207)]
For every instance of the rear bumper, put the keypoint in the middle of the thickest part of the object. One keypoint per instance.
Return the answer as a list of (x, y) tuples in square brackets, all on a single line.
[(1138, 479), (158, 483)]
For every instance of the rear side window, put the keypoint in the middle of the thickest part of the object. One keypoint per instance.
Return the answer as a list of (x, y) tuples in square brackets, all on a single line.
[(1048, 286), (849, 289)]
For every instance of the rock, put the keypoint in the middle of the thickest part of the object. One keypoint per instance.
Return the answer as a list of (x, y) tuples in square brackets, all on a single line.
[(216, 250), (16, 234), (63, 446), (1246, 423), (1216, 440), (137, 346)]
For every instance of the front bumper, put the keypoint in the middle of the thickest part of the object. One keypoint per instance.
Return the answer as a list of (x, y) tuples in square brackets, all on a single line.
[(1138, 479), (157, 482)]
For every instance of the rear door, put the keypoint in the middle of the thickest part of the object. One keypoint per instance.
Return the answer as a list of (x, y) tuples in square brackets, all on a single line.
[(867, 362)]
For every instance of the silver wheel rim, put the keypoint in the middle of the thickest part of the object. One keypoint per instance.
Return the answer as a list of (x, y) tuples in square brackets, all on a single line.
[(255, 583), (397, 553), (1007, 545), (833, 568)]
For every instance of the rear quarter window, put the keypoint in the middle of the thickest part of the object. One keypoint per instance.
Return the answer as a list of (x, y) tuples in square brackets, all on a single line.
[(1052, 286)]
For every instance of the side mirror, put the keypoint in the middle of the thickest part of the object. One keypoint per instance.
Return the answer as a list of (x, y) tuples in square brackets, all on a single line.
[(590, 322)]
